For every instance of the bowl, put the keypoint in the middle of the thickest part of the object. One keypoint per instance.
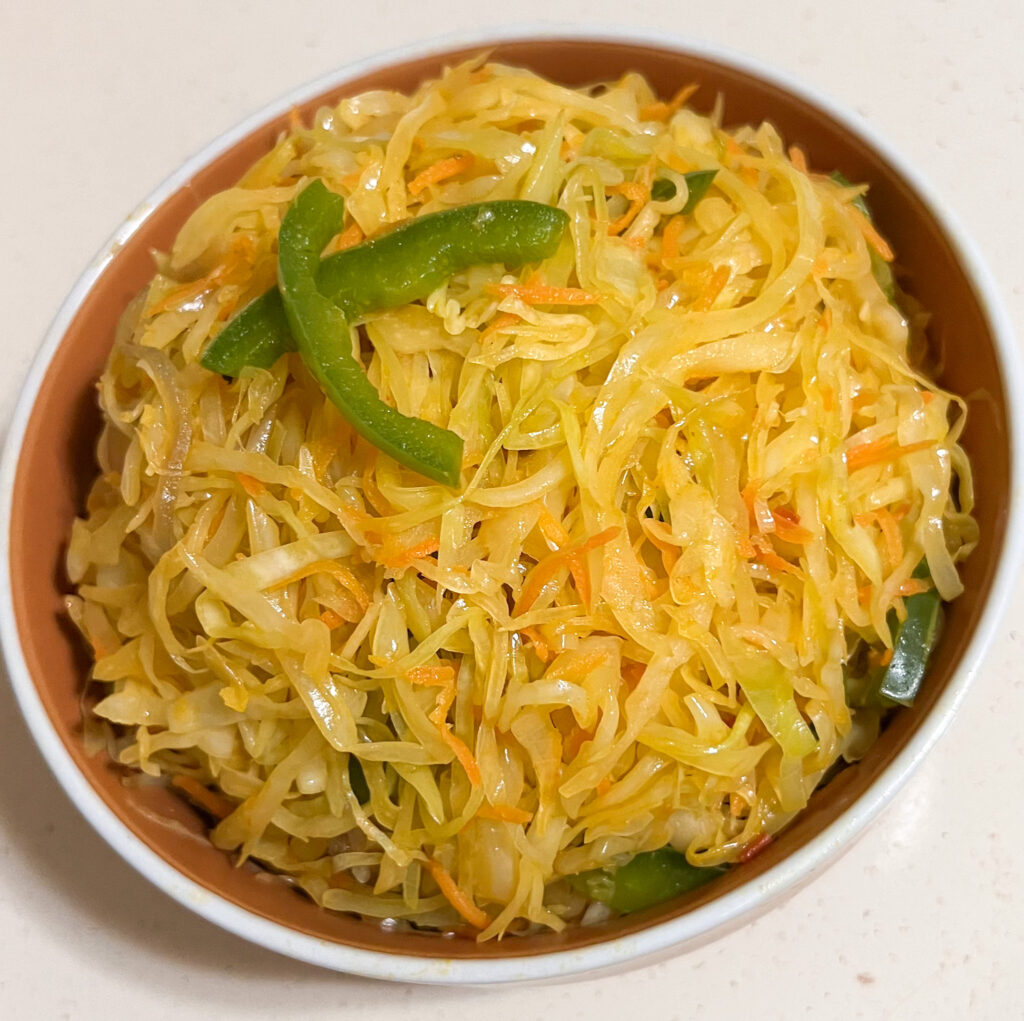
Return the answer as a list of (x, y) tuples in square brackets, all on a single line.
[(48, 465)]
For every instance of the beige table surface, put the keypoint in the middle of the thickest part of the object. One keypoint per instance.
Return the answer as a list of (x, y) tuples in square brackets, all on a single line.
[(924, 918)]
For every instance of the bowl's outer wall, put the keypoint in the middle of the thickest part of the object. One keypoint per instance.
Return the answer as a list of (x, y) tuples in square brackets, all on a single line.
[(57, 465)]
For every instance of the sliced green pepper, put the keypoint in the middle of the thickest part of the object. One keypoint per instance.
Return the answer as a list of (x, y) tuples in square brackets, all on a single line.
[(916, 637), (321, 333), (398, 267), (697, 183), (648, 879), (880, 269)]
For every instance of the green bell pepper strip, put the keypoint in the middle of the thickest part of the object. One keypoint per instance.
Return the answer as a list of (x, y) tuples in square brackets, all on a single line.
[(399, 267), (648, 879), (321, 333), (916, 637), (697, 183), (880, 269)]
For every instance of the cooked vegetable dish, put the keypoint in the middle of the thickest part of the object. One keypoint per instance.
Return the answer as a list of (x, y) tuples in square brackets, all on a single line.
[(515, 501)]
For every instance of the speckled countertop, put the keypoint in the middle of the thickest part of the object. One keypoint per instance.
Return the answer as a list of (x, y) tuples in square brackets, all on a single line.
[(921, 919)]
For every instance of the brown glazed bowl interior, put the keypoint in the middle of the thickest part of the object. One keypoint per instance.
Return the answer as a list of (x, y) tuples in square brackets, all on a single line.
[(56, 464)]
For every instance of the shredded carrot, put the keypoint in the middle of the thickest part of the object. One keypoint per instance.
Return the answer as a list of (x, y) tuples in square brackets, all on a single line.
[(603, 787), (749, 493), (886, 658), (881, 451), (712, 289), (434, 676), (349, 181), (865, 594), (788, 527), (332, 619), (237, 264), (659, 110), (439, 717), (927, 397), (252, 486), (403, 558), (504, 813), (755, 847), (914, 587), (343, 575), (670, 238), (797, 158), (502, 322), (459, 900), (440, 171), (538, 643), (209, 801), (732, 147), (551, 528), (871, 236), (828, 398), (348, 238), (891, 534), (774, 562), (638, 196), (546, 569), (541, 294), (744, 547)]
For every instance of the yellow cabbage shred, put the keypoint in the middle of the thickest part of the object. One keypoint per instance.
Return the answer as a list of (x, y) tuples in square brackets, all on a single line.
[(687, 508)]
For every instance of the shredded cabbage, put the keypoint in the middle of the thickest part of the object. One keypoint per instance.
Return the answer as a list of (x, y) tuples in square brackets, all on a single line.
[(692, 507)]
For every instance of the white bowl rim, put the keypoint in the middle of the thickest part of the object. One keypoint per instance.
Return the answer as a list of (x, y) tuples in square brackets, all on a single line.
[(676, 934)]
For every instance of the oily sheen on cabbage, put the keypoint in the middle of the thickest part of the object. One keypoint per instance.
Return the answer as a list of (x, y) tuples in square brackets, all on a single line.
[(701, 467)]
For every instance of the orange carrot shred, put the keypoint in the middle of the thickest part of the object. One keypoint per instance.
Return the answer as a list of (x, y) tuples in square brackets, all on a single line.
[(788, 527), (776, 563), (252, 486), (659, 110), (541, 294), (209, 801), (343, 575), (755, 847), (348, 238), (880, 452), (455, 896), (572, 557), (712, 289), (670, 238), (871, 235), (891, 534), (886, 658), (439, 171), (913, 587), (502, 322), (332, 619), (538, 643), (797, 158), (403, 558), (504, 813), (439, 717), (431, 675), (638, 196), (603, 787)]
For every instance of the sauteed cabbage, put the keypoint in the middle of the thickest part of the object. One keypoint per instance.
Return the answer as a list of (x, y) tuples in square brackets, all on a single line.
[(704, 480)]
